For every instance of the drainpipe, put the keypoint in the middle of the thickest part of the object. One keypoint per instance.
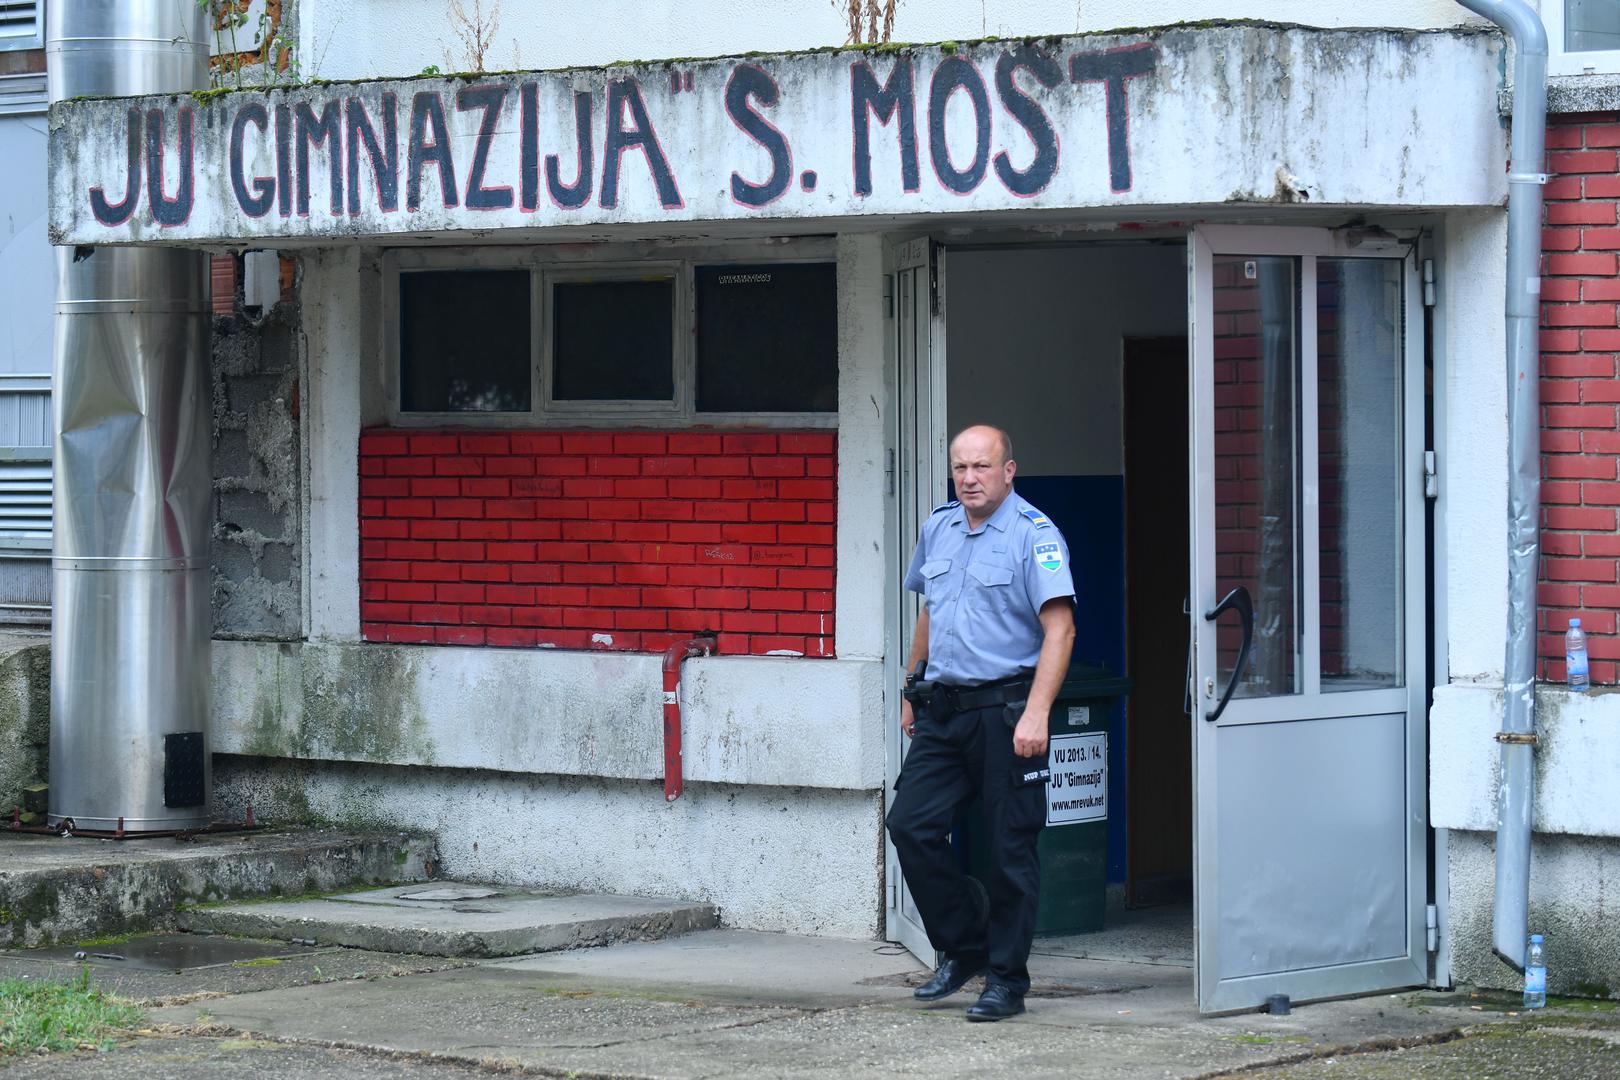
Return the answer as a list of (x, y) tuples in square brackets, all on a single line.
[(1516, 796), (131, 621), (674, 656)]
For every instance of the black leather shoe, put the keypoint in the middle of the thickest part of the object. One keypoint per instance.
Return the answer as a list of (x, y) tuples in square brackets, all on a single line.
[(950, 977), (996, 1003)]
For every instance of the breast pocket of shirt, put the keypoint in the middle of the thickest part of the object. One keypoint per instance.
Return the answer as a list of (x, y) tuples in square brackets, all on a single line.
[(933, 573), (991, 586)]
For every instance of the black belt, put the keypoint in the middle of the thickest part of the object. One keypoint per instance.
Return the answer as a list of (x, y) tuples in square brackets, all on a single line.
[(987, 695)]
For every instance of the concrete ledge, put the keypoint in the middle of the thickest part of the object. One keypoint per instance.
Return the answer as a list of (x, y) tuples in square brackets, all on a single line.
[(1597, 92), (800, 860), (25, 715), (62, 890), (1576, 791), (1573, 880), (504, 923), (747, 720)]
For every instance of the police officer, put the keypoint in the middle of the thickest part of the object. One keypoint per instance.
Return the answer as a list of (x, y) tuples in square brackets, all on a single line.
[(996, 633)]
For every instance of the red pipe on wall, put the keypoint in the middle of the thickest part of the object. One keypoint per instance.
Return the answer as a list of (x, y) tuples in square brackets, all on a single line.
[(674, 656)]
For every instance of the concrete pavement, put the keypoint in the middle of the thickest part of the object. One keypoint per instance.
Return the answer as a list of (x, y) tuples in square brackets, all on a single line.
[(728, 1003)]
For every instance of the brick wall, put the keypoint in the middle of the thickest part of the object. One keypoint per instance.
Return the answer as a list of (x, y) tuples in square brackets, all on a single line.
[(598, 540), (1580, 393)]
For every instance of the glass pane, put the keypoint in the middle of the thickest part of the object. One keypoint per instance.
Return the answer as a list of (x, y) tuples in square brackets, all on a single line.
[(613, 340), (767, 338), (1359, 359), (1591, 25), (464, 341), (1256, 466)]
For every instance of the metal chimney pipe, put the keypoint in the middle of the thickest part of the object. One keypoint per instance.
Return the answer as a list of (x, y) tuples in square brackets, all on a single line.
[(130, 626)]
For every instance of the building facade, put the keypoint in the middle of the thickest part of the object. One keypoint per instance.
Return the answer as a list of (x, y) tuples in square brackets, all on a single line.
[(585, 362)]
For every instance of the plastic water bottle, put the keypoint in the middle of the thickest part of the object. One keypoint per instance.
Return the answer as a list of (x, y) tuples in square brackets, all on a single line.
[(1535, 975), (1575, 657)]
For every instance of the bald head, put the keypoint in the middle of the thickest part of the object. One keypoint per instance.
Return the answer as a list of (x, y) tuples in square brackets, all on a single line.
[(982, 469), (1003, 440)]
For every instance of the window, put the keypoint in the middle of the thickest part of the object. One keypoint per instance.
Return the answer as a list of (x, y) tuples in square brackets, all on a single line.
[(464, 341), (517, 339), (1584, 34), (767, 338), (22, 24), (613, 340)]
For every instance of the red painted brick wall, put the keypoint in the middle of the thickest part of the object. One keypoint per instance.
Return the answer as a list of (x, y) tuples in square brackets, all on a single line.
[(598, 540), (1580, 393)]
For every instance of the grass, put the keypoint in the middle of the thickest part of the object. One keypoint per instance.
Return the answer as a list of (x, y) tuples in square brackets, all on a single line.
[(39, 1015)]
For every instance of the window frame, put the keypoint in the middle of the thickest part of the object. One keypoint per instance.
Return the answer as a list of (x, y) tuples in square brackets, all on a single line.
[(1563, 62), (408, 261), (682, 349), (621, 262)]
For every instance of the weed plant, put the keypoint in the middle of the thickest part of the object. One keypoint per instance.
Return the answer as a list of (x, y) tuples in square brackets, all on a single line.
[(38, 1015)]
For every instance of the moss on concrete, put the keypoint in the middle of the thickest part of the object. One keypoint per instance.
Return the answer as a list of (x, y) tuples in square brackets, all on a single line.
[(211, 96)]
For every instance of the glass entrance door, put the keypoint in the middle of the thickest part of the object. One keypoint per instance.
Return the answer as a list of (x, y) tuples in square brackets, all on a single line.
[(1308, 596)]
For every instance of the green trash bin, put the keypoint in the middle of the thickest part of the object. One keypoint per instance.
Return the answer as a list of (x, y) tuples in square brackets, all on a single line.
[(1074, 845)]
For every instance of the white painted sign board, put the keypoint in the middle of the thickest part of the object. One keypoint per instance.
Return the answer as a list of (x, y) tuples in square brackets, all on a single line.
[(1171, 118), (1078, 790)]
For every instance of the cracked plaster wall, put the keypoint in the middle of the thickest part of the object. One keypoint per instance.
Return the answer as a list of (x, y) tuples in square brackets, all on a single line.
[(25, 717), (256, 545)]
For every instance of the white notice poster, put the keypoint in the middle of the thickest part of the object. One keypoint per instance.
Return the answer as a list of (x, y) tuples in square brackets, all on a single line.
[(1079, 788)]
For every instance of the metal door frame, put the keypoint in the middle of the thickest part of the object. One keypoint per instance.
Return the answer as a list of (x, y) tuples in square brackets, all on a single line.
[(1215, 994), (920, 483)]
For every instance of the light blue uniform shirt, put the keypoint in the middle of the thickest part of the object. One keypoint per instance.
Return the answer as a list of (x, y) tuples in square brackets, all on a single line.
[(985, 588)]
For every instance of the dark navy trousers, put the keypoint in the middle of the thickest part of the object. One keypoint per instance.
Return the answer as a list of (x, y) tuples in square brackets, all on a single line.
[(952, 759)]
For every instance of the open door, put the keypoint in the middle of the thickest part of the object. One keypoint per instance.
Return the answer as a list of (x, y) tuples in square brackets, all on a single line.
[(921, 484), (1308, 617)]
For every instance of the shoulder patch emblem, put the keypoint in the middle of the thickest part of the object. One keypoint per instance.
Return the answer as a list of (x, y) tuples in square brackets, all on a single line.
[(1036, 518), (944, 506), (1049, 556)]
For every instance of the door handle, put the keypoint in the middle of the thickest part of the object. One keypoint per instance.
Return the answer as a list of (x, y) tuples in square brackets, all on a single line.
[(1237, 599)]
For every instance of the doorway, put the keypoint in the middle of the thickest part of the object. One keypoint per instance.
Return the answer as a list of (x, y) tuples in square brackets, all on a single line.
[(1283, 368), (1080, 353)]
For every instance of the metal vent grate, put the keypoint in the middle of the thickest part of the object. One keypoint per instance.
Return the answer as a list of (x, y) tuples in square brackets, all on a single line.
[(20, 25), (25, 499), (19, 16), (22, 94)]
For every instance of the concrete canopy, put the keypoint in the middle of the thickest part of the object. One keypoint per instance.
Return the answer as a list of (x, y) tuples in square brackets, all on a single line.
[(1191, 116)]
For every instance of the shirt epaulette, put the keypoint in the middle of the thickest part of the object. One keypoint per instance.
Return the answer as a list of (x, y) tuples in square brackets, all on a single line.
[(953, 504), (1036, 518)]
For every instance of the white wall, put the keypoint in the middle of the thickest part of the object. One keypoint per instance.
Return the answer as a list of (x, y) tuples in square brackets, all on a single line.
[(27, 261), (355, 39), (1034, 345), (1473, 461)]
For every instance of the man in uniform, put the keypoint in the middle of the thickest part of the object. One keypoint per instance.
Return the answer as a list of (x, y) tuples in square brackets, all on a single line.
[(996, 633)]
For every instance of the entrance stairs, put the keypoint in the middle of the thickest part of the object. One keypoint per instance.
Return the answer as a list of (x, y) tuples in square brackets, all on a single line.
[(368, 890), (447, 918), (71, 889)]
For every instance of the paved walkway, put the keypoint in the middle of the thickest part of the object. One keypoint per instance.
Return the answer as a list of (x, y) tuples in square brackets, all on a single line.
[(728, 1003)]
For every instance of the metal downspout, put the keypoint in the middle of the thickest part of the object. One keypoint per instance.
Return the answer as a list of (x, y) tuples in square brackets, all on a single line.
[(131, 627), (674, 657), (1516, 797)]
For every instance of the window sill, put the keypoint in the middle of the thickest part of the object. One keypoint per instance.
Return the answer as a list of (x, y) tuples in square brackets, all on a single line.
[(1598, 92)]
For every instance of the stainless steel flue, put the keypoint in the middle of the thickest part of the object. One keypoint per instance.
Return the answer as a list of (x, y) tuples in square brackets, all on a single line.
[(130, 621)]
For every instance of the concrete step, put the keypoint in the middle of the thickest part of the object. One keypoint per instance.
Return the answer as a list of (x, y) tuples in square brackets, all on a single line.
[(448, 918), (68, 889)]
